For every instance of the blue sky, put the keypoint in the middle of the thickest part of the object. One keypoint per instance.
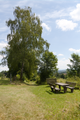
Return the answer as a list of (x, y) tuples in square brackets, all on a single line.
[(60, 22)]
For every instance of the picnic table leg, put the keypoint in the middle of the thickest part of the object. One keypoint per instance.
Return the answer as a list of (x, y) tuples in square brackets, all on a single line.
[(52, 89), (65, 89), (71, 90), (60, 87)]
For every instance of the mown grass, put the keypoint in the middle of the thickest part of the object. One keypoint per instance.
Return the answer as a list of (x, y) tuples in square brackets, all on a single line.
[(32, 102)]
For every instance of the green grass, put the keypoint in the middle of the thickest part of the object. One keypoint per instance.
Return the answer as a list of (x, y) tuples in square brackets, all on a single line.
[(32, 102)]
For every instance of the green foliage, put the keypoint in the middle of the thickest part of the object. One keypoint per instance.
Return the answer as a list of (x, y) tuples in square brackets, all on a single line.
[(26, 80), (61, 80), (25, 43), (18, 77), (48, 65), (0, 74), (74, 67), (38, 79), (24, 77), (33, 77), (62, 76), (3, 73), (75, 79), (57, 75), (70, 79), (50, 76)]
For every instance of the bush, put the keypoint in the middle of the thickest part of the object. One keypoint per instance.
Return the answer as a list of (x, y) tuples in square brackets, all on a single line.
[(61, 80), (75, 79), (25, 78), (18, 77), (50, 76), (33, 77), (38, 80)]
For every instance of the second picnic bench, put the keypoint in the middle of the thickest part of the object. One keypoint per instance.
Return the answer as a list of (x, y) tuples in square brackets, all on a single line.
[(71, 85)]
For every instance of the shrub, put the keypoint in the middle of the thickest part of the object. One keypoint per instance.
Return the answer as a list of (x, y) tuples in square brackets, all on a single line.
[(18, 77), (33, 77), (38, 80), (24, 76), (50, 76), (75, 79)]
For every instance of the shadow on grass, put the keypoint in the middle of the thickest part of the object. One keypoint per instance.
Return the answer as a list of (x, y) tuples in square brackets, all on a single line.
[(4, 82), (58, 92), (76, 88), (7, 82), (50, 92), (47, 86)]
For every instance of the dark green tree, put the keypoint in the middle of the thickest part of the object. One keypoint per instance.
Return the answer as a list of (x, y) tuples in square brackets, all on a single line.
[(48, 65), (57, 75), (25, 42), (62, 76), (74, 67)]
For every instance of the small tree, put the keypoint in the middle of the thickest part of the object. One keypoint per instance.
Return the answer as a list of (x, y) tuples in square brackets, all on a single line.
[(62, 76), (48, 65), (74, 67)]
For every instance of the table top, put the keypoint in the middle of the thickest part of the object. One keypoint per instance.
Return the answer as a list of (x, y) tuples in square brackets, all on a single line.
[(62, 84)]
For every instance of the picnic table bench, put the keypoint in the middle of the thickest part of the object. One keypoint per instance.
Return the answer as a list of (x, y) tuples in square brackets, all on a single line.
[(71, 86), (52, 83)]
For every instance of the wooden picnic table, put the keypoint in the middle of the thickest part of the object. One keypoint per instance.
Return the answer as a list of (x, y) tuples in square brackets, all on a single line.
[(63, 85)]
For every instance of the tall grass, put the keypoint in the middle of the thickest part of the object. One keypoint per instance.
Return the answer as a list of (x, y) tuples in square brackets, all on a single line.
[(37, 102)]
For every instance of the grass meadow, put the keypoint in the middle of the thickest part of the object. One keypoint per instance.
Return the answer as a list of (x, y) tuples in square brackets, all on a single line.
[(32, 102)]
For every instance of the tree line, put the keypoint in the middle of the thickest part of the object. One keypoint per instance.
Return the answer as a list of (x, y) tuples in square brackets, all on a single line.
[(27, 54)]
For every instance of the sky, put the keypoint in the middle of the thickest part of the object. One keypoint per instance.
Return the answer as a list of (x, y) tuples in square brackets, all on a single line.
[(60, 21)]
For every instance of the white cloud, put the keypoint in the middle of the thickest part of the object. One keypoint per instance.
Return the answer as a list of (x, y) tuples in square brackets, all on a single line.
[(2, 45), (62, 64), (32, 4), (66, 24), (78, 31), (3, 36), (21, 3), (4, 7), (74, 50), (75, 14), (2, 29), (55, 14), (1, 56), (46, 27), (3, 68), (54, 53), (60, 55), (64, 58), (6, 39), (49, 0)]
